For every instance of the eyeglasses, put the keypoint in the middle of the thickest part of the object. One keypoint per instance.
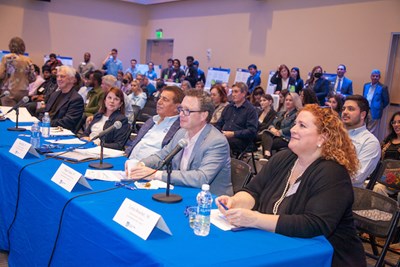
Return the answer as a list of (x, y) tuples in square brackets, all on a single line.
[(395, 122), (186, 112)]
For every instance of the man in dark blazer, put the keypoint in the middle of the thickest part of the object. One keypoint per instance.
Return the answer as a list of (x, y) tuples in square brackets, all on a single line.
[(158, 130), (341, 84), (377, 95), (65, 106)]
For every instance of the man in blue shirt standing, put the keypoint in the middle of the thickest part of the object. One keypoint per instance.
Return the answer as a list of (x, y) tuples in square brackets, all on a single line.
[(112, 64), (239, 120), (254, 79), (133, 70)]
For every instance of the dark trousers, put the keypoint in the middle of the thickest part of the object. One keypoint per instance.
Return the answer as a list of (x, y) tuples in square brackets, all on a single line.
[(271, 142), (238, 145)]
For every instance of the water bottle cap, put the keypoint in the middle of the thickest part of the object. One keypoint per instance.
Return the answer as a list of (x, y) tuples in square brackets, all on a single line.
[(205, 187), (46, 113)]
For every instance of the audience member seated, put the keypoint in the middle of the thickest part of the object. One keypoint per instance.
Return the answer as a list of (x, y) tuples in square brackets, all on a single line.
[(205, 159), (254, 79), (107, 82), (355, 111), (96, 95), (53, 62), (151, 73), (336, 103), (65, 106), (305, 191), (147, 87), (190, 72), (87, 86), (137, 97), (308, 96), (390, 150), (158, 131), (177, 74), (282, 78), (238, 121), (112, 110), (299, 83), (278, 134), (319, 84), (267, 113), (185, 85), (256, 96), (34, 86), (282, 95), (340, 84), (126, 83), (199, 85), (220, 100)]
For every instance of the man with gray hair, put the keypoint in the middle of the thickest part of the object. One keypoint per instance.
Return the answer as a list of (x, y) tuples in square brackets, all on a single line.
[(205, 159), (65, 106)]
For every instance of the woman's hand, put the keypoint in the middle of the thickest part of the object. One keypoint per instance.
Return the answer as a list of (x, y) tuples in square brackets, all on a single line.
[(242, 217), (226, 200)]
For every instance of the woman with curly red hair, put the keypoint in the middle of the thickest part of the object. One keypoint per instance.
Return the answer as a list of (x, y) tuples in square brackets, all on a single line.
[(306, 190)]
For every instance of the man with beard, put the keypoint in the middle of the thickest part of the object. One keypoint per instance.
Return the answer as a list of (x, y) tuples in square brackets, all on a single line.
[(355, 111)]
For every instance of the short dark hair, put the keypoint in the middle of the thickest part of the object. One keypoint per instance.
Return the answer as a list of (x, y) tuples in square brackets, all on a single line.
[(52, 55), (114, 50), (252, 66), (46, 68), (133, 59), (190, 58), (97, 76), (118, 93), (177, 60), (205, 101), (37, 69), (170, 60), (361, 101), (344, 67), (178, 93)]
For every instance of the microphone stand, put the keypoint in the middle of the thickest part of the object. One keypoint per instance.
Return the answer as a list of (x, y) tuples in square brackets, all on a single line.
[(101, 165), (167, 197), (16, 129)]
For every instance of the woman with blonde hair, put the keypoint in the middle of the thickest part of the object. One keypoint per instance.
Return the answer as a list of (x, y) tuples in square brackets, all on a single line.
[(306, 190)]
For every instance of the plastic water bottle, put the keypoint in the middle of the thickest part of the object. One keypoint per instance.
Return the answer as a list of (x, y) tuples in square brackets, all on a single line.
[(35, 137), (204, 202), (46, 125)]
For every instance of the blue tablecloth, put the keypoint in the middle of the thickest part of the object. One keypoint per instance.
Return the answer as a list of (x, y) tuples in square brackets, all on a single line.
[(89, 236)]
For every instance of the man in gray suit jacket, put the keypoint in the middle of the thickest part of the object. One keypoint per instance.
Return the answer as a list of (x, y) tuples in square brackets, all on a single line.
[(205, 160)]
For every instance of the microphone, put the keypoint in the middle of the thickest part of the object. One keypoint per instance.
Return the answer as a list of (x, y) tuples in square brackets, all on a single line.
[(24, 100), (6, 93), (181, 145), (116, 125)]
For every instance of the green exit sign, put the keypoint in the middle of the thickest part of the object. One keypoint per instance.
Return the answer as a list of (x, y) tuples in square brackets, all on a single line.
[(159, 34)]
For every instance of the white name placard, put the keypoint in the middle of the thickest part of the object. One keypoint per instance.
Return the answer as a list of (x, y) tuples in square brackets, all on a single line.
[(139, 220), (20, 148), (67, 178)]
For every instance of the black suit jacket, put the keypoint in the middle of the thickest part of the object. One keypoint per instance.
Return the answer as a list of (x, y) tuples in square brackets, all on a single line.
[(69, 111)]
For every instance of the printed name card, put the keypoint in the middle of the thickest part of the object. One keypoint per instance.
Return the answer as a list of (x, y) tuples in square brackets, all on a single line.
[(20, 148), (67, 178), (139, 220)]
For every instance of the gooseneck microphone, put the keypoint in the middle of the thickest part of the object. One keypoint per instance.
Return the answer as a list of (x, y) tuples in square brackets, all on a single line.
[(181, 145), (117, 125), (6, 93), (24, 100), (167, 197)]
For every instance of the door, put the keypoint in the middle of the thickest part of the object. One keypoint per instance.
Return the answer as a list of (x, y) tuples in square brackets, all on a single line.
[(159, 51)]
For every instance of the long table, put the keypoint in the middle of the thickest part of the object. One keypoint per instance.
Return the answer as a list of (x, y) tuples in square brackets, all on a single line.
[(89, 236)]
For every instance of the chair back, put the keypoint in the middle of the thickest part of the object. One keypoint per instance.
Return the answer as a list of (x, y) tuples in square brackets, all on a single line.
[(375, 175), (240, 174), (374, 213), (390, 174)]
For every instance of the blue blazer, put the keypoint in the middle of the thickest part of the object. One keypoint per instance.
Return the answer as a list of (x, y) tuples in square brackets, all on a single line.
[(209, 163), (379, 101), (146, 127), (347, 86), (321, 89)]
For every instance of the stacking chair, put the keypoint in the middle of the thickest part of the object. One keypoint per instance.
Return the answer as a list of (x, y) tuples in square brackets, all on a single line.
[(251, 148), (375, 175), (240, 174), (390, 175), (377, 216)]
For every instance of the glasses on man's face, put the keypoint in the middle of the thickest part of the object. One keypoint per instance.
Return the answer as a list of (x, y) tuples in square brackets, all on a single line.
[(395, 122), (186, 112)]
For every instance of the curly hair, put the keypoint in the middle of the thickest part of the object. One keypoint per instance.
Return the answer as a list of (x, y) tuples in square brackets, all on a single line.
[(338, 146), (17, 46)]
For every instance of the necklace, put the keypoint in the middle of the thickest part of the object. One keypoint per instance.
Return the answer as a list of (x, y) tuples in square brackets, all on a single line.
[(279, 201)]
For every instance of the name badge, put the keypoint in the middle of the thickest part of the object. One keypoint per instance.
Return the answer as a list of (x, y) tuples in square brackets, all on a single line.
[(293, 189)]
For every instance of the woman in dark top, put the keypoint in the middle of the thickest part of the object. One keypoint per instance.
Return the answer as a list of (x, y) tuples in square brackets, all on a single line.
[(256, 96), (308, 97), (336, 103), (267, 113), (306, 191), (282, 78), (277, 135), (319, 84), (112, 110), (299, 83)]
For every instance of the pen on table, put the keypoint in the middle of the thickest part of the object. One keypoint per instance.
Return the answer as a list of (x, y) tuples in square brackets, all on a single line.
[(235, 229)]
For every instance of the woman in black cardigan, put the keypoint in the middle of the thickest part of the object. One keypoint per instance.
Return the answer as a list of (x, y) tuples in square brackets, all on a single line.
[(282, 79), (112, 110)]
